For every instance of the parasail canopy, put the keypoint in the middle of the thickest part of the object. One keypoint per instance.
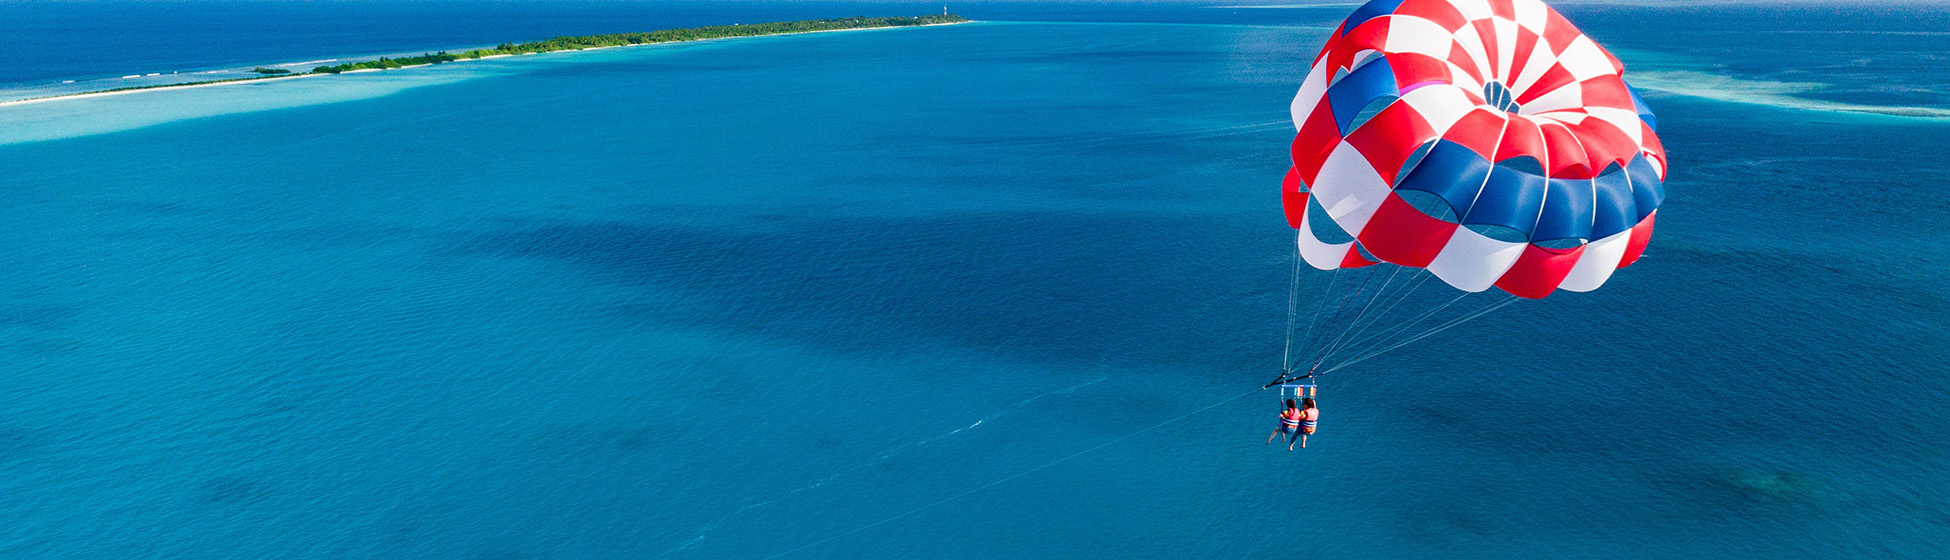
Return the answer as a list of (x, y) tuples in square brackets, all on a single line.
[(1487, 141)]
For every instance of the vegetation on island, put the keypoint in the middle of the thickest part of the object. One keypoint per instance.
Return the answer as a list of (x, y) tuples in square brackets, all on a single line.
[(645, 38), (583, 42)]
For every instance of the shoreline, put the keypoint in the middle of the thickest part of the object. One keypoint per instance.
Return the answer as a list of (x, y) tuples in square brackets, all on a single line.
[(265, 79), (107, 93)]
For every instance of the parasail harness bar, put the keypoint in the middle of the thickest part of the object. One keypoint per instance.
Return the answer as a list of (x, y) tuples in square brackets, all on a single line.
[(1285, 377)]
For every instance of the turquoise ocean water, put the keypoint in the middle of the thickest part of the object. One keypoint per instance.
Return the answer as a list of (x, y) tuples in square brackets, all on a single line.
[(869, 294)]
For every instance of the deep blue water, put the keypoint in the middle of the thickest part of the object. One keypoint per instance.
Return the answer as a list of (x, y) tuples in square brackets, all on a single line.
[(729, 299)]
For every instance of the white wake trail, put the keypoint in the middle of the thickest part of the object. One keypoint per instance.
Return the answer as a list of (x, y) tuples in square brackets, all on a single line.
[(882, 457)]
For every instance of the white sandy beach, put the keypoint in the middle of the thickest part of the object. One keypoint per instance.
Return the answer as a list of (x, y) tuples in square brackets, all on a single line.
[(164, 87)]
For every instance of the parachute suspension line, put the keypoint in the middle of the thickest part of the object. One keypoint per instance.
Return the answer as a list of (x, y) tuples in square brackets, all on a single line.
[(1414, 282), (1335, 326), (1292, 308), (1334, 319), (1381, 338), (1356, 340), (1318, 307), (1327, 350), (1445, 326), (1422, 277), (1006, 479), (1339, 306)]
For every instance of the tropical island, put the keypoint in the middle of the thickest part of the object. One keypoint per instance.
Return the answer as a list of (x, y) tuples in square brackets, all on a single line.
[(575, 43)]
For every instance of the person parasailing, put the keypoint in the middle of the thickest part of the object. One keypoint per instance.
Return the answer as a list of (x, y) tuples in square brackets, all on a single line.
[(1290, 418), (1309, 421), (1297, 422)]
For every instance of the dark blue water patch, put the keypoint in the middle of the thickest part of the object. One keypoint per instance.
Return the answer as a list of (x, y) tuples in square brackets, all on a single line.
[(233, 490), (988, 281), (37, 317), (19, 443), (492, 553), (1515, 423), (40, 348), (152, 208), (633, 441)]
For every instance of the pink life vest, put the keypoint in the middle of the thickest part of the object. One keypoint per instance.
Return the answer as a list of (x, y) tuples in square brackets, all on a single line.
[(1291, 418)]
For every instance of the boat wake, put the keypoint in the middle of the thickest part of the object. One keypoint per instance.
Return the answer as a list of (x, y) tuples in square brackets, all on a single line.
[(878, 459)]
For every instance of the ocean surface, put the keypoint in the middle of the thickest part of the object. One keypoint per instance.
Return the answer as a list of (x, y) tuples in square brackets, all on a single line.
[(998, 290)]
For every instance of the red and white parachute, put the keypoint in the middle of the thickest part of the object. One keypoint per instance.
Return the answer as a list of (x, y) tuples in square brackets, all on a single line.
[(1484, 142)]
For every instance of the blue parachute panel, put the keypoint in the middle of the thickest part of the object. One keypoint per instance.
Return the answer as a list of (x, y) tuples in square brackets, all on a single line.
[(1450, 171), (1567, 210), (1347, 97), (1369, 11), (1510, 199), (1647, 190), (1614, 209)]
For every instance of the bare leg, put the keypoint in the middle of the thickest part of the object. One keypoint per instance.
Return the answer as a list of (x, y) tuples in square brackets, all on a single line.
[(1303, 440), (1269, 437)]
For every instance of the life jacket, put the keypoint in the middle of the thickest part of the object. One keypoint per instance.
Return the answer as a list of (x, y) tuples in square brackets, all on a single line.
[(1309, 420), (1290, 419)]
